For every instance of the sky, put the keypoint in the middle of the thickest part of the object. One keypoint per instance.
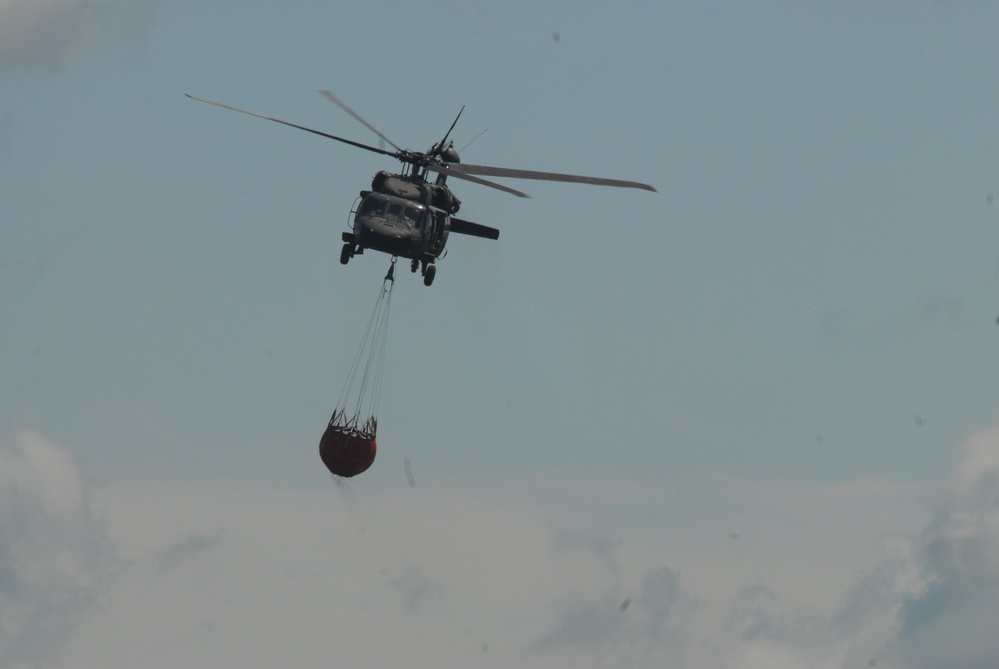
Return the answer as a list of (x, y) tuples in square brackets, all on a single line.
[(750, 420)]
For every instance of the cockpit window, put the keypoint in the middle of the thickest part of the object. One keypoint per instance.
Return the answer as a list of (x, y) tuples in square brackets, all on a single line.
[(373, 206), (414, 215)]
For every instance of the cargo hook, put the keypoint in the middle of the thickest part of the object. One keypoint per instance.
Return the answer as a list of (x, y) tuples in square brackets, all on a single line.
[(390, 275)]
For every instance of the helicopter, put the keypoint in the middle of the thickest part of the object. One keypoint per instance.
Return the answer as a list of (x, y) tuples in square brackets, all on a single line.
[(406, 214)]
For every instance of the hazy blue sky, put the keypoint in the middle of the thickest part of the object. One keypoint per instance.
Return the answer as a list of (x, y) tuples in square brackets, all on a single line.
[(746, 421)]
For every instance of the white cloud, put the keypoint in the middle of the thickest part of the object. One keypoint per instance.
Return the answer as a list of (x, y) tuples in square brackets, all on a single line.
[(311, 578), (930, 603), (215, 576), (53, 551), (238, 577), (951, 619), (53, 34), (602, 630)]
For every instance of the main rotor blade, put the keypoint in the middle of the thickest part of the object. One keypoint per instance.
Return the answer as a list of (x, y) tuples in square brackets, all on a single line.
[(300, 127), (342, 105), (488, 171), (446, 168)]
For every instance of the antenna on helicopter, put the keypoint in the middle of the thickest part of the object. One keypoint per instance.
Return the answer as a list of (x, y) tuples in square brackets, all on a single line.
[(440, 147), (462, 150)]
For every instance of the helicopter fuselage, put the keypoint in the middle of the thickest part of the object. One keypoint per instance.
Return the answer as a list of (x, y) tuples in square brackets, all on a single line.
[(398, 226), (404, 216)]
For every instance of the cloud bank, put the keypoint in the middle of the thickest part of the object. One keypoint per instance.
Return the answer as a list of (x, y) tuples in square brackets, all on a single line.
[(54, 553), (931, 603), (51, 35), (168, 575), (950, 619)]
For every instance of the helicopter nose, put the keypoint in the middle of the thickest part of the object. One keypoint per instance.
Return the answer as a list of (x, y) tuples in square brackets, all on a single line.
[(379, 227)]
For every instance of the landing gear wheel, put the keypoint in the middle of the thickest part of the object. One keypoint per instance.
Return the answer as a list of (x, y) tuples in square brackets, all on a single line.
[(413, 266), (346, 252), (429, 274)]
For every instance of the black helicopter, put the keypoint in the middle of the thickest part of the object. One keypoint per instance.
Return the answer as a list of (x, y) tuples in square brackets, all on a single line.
[(409, 216)]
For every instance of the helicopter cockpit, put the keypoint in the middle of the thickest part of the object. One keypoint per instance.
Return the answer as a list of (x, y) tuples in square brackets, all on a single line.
[(373, 205), (377, 205), (415, 214)]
